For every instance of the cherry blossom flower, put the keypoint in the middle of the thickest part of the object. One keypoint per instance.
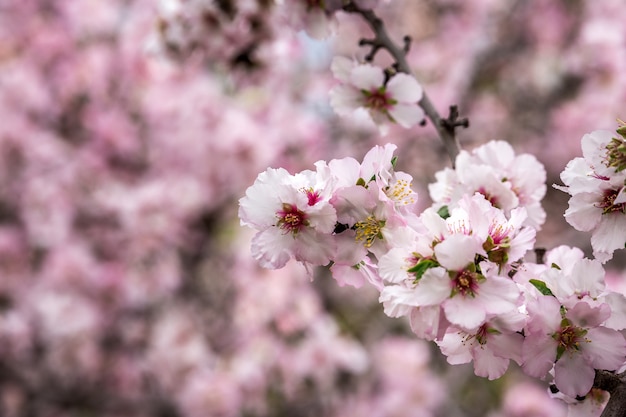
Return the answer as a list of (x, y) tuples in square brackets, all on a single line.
[(490, 346), (293, 217), (506, 180), (598, 195), (573, 341), (372, 202), (365, 87), (572, 277)]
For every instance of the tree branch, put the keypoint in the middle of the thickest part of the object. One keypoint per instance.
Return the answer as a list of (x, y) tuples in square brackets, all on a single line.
[(445, 127), (615, 385)]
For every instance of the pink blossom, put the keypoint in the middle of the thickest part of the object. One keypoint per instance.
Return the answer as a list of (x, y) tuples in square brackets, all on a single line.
[(598, 196), (494, 170), (293, 216), (491, 346), (527, 398), (573, 341), (364, 87)]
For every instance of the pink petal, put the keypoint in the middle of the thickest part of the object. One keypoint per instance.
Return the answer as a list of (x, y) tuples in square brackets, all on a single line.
[(487, 365), (573, 375), (607, 349), (538, 354)]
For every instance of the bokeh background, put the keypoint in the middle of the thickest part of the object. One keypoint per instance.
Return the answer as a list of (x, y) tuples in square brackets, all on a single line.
[(129, 129)]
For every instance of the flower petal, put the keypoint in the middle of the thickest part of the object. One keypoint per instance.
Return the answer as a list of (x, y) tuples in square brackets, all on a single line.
[(405, 88)]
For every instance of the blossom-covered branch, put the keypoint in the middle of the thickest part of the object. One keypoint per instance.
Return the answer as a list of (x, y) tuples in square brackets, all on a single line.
[(445, 127), (457, 270)]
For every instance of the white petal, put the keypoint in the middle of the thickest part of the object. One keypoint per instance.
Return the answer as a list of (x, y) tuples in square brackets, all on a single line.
[(407, 115), (610, 234), (582, 213), (271, 248), (342, 67), (465, 312), (404, 88), (457, 251), (367, 77), (345, 99)]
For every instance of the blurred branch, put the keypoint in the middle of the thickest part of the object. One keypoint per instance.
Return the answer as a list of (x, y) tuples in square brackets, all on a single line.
[(446, 128), (615, 385)]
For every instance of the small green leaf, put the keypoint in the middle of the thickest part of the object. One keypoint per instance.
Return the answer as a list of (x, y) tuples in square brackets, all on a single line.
[(394, 160), (555, 266), (421, 267), (443, 212), (560, 350), (360, 182), (541, 286)]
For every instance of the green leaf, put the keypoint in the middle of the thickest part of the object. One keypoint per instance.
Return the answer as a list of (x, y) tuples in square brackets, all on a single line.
[(443, 212), (541, 286), (421, 267), (394, 160), (555, 266), (360, 182)]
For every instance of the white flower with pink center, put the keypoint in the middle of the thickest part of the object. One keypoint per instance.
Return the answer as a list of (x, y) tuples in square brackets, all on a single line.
[(490, 346), (572, 341), (467, 297), (598, 194), (293, 216), (366, 87), (371, 201), (494, 170), (572, 278)]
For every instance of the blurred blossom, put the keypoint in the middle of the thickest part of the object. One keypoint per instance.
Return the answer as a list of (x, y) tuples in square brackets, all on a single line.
[(527, 399)]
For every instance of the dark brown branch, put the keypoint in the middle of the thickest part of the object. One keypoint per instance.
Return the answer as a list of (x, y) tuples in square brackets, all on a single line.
[(615, 385), (445, 127)]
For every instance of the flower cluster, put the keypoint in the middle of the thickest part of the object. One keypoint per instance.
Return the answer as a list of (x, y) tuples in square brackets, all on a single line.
[(457, 269), (597, 185)]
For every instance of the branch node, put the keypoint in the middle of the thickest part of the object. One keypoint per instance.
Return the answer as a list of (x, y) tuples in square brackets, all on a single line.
[(540, 254), (453, 121), (407, 44)]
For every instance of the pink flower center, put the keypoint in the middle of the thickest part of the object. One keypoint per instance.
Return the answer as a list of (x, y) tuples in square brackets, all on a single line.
[(378, 99), (313, 196), (466, 283), (482, 333), (291, 220), (607, 204), (491, 198)]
